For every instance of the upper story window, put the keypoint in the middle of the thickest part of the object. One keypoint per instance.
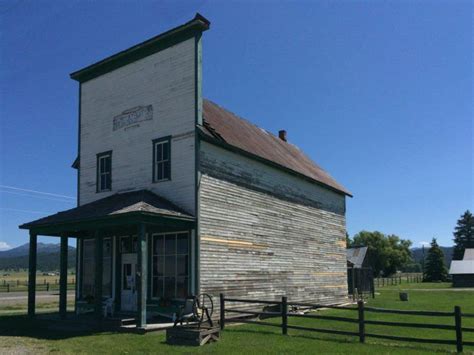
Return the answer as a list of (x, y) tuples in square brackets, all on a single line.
[(104, 171), (162, 159)]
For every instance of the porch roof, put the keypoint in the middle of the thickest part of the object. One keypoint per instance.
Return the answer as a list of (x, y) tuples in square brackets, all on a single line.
[(142, 206)]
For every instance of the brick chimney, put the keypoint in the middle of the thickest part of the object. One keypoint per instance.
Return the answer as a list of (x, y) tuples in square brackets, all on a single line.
[(282, 135)]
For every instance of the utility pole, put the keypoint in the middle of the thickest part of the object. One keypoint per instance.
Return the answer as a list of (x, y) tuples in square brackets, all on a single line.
[(423, 261)]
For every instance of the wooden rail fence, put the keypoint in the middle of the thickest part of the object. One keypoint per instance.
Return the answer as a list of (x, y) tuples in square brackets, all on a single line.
[(361, 310), (22, 285), (397, 280)]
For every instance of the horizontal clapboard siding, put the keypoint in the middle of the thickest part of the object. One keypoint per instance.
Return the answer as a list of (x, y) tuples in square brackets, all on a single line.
[(166, 81), (262, 245), (247, 172)]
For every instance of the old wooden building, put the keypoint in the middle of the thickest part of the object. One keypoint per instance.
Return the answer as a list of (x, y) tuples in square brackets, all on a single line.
[(178, 196), (462, 271)]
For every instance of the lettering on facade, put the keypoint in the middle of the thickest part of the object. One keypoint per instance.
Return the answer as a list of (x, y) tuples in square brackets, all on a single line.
[(133, 116)]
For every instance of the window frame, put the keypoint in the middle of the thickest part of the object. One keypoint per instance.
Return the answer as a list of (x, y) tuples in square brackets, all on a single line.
[(90, 261), (176, 256), (155, 142), (100, 156)]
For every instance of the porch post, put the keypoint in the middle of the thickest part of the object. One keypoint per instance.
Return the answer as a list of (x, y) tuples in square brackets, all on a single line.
[(32, 275), (63, 278), (99, 252), (78, 273), (141, 276)]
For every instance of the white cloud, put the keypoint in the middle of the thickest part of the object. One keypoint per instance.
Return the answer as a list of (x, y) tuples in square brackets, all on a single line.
[(426, 244), (4, 246)]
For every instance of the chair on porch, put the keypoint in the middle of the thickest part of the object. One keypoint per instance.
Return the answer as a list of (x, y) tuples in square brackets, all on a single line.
[(108, 306), (186, 312)]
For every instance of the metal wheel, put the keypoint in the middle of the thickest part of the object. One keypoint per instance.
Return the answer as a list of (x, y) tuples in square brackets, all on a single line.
[(202, 302)]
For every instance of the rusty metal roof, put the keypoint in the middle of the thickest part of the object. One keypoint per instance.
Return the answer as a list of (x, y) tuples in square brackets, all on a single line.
[(225, 126)]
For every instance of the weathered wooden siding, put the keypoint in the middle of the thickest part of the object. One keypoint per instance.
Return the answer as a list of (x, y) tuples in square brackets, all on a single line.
[(265, 233), (165, 80)]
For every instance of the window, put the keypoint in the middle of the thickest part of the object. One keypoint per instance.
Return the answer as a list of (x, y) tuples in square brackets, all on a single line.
[(170, 265), (88, 268), (128, 245), (162, 159), (104, 171)]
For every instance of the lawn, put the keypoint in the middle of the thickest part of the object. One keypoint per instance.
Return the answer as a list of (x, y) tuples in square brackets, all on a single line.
[(19, 335)]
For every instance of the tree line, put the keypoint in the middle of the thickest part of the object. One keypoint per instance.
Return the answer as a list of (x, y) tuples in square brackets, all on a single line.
[(387, 254)]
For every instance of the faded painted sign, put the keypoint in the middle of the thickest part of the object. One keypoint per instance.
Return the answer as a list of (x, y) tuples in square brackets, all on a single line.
[(133, 116)]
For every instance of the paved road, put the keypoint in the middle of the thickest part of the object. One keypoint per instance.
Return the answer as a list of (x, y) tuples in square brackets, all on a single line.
[(8, 298)]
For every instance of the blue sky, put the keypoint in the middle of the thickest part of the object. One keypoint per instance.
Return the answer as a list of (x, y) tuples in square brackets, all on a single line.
[(379, 93)]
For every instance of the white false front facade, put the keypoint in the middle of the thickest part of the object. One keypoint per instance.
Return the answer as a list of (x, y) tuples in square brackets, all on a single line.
[(126, 110), (141, 117)]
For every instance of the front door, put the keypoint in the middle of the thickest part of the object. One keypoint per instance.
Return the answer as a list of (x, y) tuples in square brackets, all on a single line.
[(129, 291)]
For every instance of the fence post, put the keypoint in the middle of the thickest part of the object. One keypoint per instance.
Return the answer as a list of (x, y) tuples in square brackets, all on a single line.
[(47, 287), (372, 285), (360, 305), (8, 287), (284, 315), (457, 320), (222, 304)]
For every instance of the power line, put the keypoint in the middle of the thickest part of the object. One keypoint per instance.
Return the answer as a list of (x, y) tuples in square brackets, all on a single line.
[(19, 210), (35, 196), (36, 192)]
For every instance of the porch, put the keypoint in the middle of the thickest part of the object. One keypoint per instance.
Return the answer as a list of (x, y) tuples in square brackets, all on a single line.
[(136, 257)]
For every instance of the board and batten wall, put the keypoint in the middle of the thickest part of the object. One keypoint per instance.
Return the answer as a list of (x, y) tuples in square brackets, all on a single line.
[(165, 80), (265, 233)]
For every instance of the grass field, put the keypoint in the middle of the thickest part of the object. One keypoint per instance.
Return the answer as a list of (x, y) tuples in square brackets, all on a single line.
[(22, 277), (17, 335), (18, 281)]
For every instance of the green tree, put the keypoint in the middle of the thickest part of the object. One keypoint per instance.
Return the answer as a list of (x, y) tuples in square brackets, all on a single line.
[(463, 235), (348, 241), (435, 268), (386, 253)]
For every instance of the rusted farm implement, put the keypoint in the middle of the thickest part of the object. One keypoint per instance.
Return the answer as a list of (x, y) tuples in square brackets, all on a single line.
[(199, 328)]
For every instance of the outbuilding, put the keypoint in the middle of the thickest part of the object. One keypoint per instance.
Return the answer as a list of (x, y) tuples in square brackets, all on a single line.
[(462, 271)]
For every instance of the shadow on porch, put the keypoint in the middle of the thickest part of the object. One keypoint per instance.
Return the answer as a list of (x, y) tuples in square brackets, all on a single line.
[(50, 326)]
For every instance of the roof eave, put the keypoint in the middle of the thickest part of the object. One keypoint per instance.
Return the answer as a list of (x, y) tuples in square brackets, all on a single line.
[(228, 146), (162, 41), (109, 218)]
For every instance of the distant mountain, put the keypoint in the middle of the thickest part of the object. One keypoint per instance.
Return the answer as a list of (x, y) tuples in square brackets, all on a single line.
[(47, 258), (417, 254), (45, 248)]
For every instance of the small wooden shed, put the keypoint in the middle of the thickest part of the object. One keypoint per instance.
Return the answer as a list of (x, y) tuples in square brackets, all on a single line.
[(462, 271)]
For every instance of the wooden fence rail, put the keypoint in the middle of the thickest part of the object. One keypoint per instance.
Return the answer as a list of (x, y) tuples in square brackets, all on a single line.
[(23, 287), (360, 320), (397, 280)]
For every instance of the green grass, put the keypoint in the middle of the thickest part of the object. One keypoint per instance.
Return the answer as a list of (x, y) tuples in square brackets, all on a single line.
[(416, 285), (18, 281), (21, 335)]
